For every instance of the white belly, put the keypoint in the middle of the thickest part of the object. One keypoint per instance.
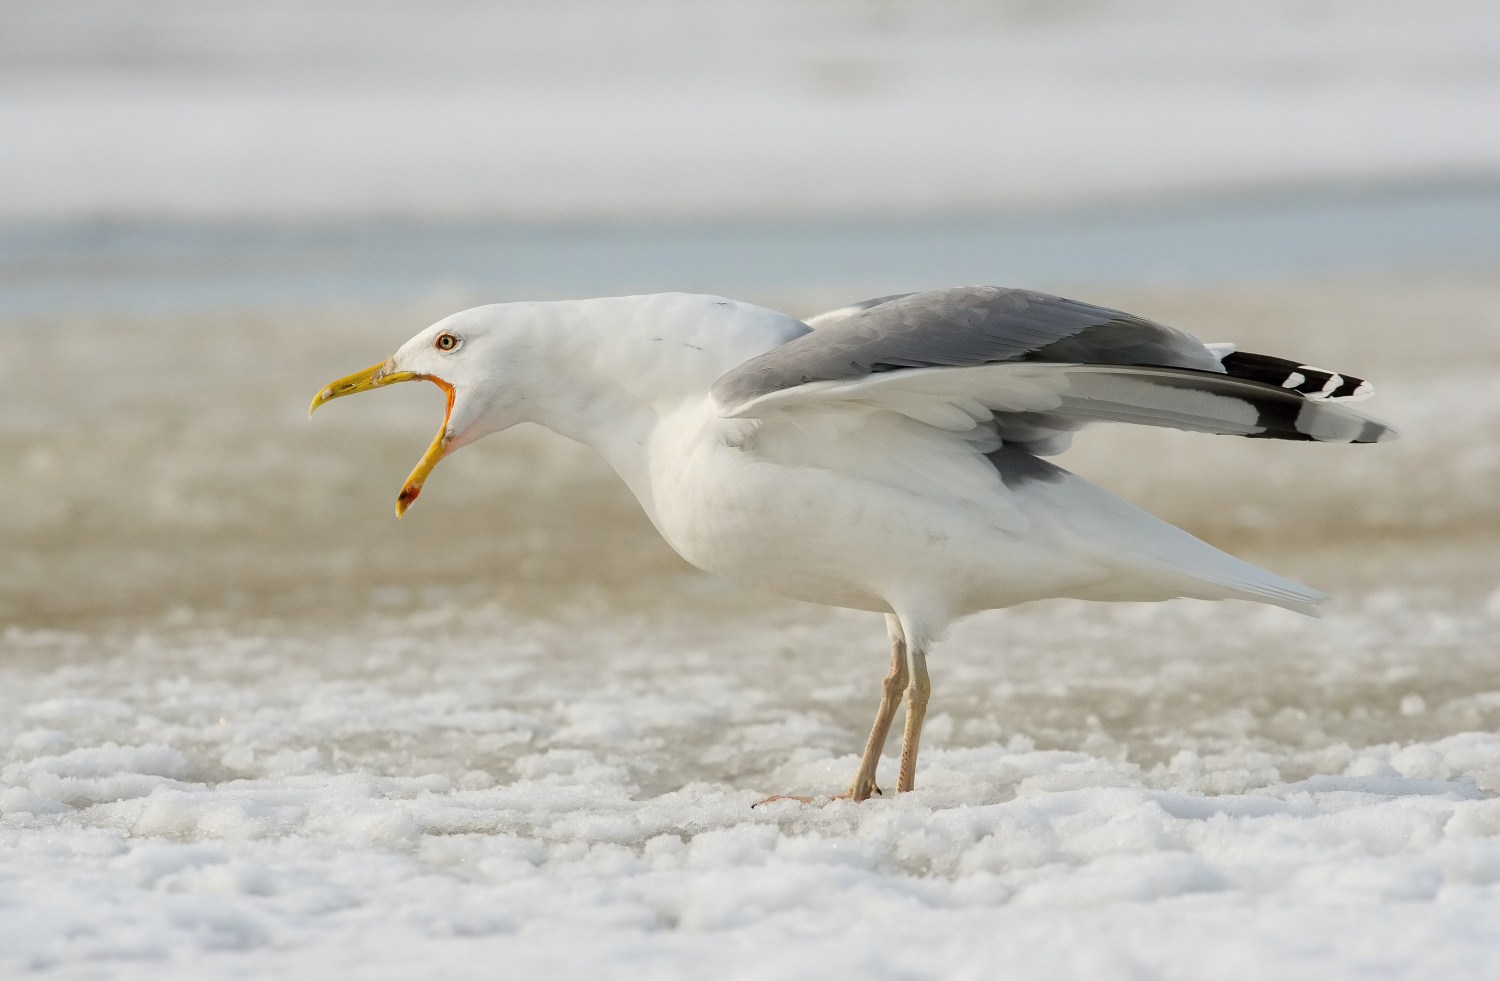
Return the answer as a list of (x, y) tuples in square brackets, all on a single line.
[(825, 536)]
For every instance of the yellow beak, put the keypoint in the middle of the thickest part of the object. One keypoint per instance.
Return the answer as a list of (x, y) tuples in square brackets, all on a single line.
[(374, 377)]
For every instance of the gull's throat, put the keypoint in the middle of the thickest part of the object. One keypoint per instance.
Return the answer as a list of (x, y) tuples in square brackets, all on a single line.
[(435, 452)]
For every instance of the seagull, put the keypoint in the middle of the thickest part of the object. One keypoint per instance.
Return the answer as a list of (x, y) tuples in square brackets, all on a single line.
[(885, 456)]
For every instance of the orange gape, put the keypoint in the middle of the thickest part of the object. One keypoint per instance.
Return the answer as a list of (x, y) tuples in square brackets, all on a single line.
[(435, 452)]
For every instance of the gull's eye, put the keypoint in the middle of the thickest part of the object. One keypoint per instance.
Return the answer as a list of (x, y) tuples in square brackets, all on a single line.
[(446, 342)]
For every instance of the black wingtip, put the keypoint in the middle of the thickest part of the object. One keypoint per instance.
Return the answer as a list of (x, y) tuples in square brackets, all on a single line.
[(1318, 384)]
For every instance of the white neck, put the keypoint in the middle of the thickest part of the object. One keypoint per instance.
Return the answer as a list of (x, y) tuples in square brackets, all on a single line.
[(605, 372)]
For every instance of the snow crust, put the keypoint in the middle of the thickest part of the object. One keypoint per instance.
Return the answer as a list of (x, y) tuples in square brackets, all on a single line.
[(447, 790), (669, 109)]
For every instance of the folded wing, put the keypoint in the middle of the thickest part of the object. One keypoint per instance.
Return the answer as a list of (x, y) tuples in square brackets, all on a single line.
[(1036, 368)]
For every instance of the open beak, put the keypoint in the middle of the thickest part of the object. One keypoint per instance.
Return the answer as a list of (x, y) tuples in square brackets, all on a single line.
[(374, 377)]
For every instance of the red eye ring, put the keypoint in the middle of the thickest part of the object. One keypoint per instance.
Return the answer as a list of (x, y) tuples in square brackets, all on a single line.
[(446, 342)]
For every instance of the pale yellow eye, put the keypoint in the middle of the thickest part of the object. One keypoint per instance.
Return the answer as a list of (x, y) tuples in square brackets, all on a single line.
[(446, 342)]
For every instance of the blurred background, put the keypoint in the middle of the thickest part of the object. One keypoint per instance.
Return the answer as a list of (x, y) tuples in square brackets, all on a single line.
[(209, 209)]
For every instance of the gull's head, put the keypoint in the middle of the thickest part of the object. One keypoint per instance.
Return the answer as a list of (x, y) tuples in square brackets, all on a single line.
[(458, 354)]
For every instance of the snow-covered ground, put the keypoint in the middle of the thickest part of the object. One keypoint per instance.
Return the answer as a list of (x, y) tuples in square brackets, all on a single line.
[(1183, 791), (585, 109), (250, 725)]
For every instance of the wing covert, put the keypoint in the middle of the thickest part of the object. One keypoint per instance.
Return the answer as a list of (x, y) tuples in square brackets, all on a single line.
[(960, 327)]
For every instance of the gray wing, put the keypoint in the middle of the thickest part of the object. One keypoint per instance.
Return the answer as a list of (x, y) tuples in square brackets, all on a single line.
[(830, 317), (1031, 369), (960, 327)]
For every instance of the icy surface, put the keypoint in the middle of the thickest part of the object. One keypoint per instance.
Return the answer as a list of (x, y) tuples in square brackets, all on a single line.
[(1177, 791), (672, 109)]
